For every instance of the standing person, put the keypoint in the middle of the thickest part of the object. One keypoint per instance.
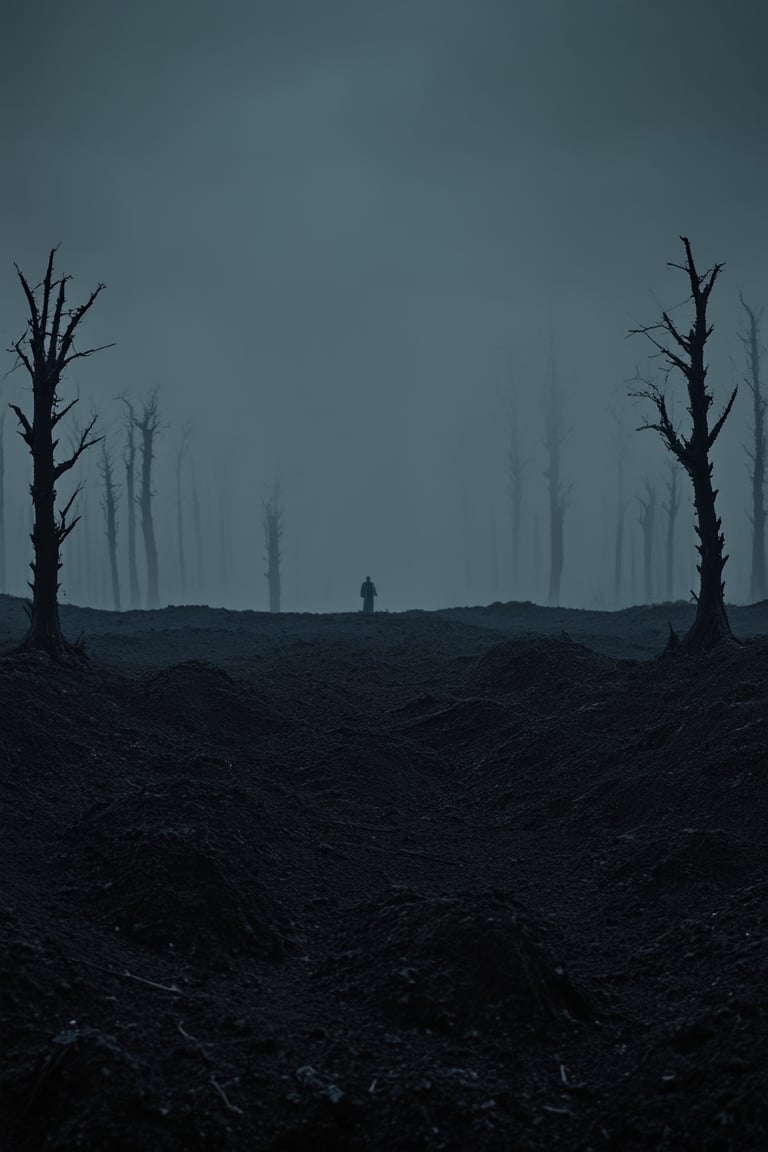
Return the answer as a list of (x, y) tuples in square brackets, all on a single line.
[(368, 591)]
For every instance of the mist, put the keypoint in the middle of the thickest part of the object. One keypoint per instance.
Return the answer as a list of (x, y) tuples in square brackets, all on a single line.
[(344, 241)]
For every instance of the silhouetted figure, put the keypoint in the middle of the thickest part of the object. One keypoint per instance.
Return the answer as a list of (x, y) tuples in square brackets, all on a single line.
[(368, 591)]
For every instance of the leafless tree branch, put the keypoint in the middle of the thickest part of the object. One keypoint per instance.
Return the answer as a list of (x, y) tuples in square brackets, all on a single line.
[(25, 424), (85, 441), (58, 416), (717, 427)]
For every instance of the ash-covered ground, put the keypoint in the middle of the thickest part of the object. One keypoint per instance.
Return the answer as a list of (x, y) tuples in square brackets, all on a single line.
[(487, 878)]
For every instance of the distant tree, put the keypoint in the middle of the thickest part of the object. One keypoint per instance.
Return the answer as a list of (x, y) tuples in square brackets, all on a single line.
[(181, 452), (109, 505), (273, 531), (558, 495), (753, 348), (148, 426), (686, 355), (45, 350), (671, 508), (647, 526), (129, 463)]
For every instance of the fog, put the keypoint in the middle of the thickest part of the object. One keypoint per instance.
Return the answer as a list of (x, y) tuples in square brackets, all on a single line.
[(339, 236)]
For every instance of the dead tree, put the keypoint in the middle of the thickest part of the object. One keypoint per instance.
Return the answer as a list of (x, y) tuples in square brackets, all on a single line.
[(45, 350), (647, 526), (751, 341), (180, 454), (148, 426), (558, 496), (685, 353), (671, 509), (129, 462), (515, 483), (273, 531), (109, 505)]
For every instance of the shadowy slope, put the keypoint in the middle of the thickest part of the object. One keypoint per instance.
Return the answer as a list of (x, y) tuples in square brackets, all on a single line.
[(422, 881)]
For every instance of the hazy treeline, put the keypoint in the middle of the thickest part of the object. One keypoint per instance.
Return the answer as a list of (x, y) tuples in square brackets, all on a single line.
[(109, 560), (546, 496)]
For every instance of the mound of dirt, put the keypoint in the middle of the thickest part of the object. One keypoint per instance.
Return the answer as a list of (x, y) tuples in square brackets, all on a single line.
[(156, 865), (670, 869), (460, 724), (168, 890), (196, 697), (538, 668), (454, 964)]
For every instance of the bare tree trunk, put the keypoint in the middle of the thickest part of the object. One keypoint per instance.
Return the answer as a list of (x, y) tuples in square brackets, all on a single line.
[(273, 531), (109, 505), (129, 460), (45, 350), (556, 525), (29, 527), (148, 425), (671, 508), (711, 625), (751, 341), (647, 524)]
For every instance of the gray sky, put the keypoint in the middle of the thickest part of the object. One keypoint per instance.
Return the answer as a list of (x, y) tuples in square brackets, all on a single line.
[(336, 233)]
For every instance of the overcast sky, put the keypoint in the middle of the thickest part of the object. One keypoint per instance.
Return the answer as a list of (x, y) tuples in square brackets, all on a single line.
[(337, 234)]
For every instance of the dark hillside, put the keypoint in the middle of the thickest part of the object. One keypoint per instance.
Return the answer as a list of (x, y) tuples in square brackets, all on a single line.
[(487, 878)]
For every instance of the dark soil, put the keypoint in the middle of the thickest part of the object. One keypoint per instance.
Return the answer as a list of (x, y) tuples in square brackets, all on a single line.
[(487, 878)]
